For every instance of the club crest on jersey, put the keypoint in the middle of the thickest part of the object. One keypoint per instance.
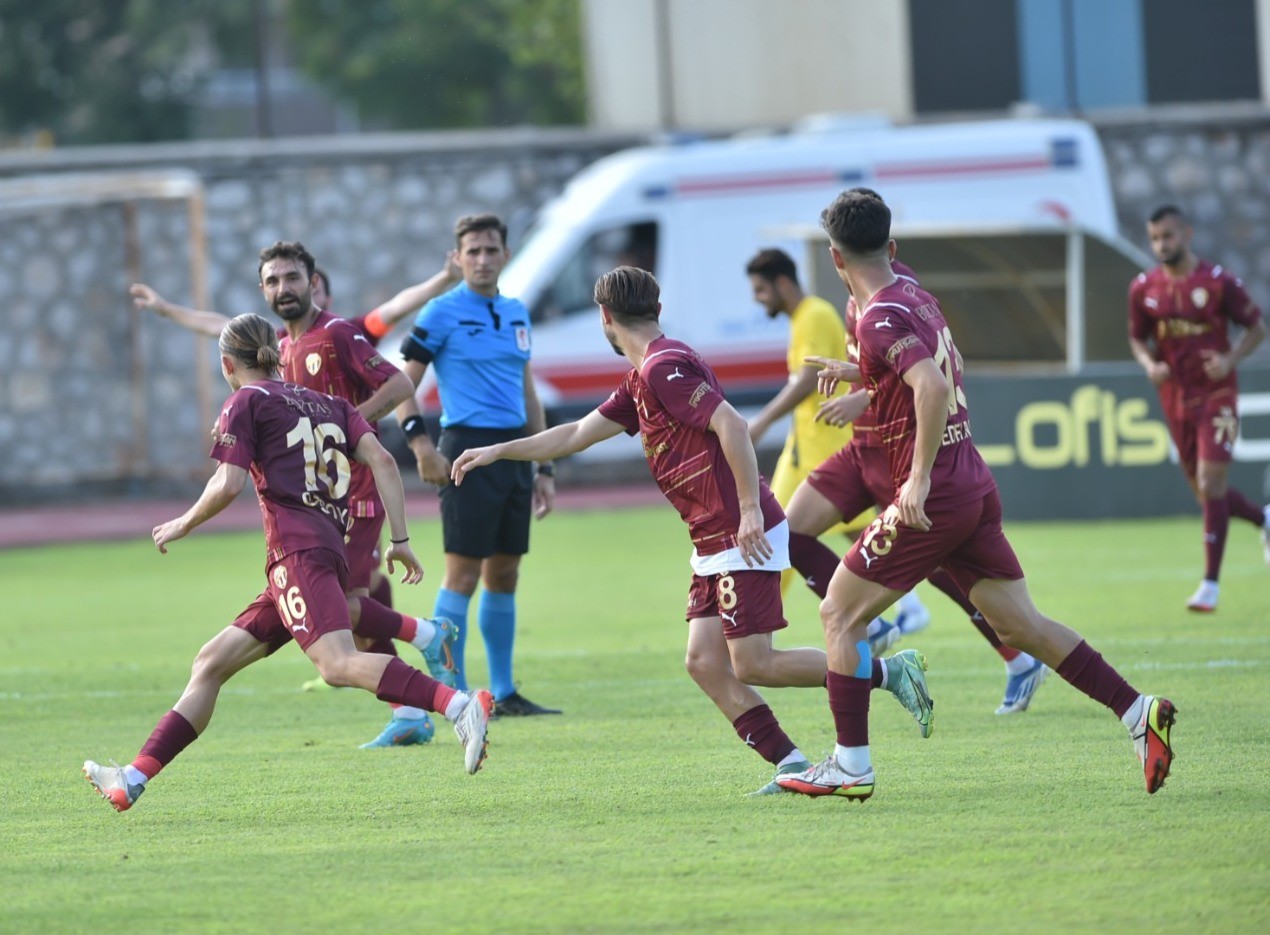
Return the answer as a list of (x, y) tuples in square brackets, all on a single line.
[(313, 363), (280, 577), (522, 339), (1199, 296)]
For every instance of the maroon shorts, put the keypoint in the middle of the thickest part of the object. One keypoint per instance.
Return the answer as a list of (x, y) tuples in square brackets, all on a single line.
[(747, 602), (304, 600), (967, 540), (1203, 427), (362, 545), (854, 479)]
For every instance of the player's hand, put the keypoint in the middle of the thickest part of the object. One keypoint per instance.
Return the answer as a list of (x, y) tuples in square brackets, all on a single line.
[(910, 504), (1158, 372), (750, 538), (412, 571), (469, 459), (434, 467), (1217, 366), (144, 297), (452, 268), (544, 495), (843, 410), (167, 532), (832, 372)]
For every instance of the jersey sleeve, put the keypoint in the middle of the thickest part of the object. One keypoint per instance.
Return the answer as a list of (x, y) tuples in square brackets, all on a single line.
[(682, 386), (620, 407), (364, 364), (236, 432), (1237, 305), (891, 340), (1139, 321), (431, 329), (356, 423)]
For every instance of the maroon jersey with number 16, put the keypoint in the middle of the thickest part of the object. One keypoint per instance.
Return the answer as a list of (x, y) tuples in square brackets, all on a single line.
[(298, 446)]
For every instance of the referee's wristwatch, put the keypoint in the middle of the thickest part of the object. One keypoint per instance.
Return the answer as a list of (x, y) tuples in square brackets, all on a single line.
[(547, 469)]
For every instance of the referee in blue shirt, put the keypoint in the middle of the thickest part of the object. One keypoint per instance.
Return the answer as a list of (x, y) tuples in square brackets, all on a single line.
[(478, 343)]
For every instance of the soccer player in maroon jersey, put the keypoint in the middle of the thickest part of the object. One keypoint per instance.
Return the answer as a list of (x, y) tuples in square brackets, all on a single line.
[(698, 448), (946, 512), (1179, 314), (331, 355), (297, 445), (858, 474)]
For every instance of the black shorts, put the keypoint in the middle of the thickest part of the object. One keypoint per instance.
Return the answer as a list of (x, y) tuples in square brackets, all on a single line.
[(489, 514)]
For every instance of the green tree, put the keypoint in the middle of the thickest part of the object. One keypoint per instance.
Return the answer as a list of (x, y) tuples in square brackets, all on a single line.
[(105, 71), (416, 64)]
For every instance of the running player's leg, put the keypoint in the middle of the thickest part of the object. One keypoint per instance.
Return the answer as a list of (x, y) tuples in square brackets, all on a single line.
[(256, 633)]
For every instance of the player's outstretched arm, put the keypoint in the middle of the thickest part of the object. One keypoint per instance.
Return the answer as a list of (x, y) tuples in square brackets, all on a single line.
[(734, 438), (412, 298), (208, 324), (553, 443), (388, 482), (799, 386), (223, 486)]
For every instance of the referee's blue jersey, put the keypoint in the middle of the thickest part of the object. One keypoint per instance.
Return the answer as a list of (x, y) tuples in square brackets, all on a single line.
[(479, 347)]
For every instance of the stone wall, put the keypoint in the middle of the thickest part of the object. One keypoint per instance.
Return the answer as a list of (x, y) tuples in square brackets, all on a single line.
[(114, 393), (1214, 163), (97, 398)]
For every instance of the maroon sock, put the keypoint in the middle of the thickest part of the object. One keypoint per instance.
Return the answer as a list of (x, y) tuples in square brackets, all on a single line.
[(944, 582), (759, 729), (377, 622), (170, 736), (814, 560), (1216, 522), (1241, 507), (849, 702), (403, 685), (1087, 671), (382, 592)]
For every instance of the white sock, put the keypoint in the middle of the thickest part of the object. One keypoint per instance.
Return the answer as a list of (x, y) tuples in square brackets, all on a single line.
[(1265, 523), (1134, 714), (853, 760), (1020, 664), (910, 602), (407, 713), (456, 706), (795, 756), (425, 632), (134, 776), (885, 674)]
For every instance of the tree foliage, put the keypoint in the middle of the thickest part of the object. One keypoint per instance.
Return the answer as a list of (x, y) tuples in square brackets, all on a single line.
[(412, 64), (103, 71)]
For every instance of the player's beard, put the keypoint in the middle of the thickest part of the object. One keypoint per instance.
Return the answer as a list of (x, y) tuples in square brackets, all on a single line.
[(612, 339), (298, 309)]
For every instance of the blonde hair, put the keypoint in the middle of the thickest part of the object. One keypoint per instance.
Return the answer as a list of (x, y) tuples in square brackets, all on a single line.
[(253, 341)]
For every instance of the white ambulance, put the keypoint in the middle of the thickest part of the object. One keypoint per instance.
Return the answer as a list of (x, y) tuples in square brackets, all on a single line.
[(1013, 212)]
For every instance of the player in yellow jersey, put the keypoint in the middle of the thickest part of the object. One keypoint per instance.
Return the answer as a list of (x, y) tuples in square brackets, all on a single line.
[(815, 329)]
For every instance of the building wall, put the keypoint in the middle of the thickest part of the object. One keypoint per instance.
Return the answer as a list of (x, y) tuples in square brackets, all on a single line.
[(710, 65)]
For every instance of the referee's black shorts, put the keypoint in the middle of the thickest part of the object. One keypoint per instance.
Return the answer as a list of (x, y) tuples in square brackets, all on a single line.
[(489, 514)]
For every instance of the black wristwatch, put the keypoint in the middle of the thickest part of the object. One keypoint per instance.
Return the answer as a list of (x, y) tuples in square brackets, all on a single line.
[(547, 469)]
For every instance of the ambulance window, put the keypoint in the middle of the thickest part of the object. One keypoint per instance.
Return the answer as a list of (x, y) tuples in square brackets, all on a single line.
[(574, 287)]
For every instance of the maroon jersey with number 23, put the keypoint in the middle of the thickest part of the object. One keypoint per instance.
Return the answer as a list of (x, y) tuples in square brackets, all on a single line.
[(901, 325)]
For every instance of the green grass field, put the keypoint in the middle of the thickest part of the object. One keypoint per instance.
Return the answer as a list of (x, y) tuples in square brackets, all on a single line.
[(628, 814)]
